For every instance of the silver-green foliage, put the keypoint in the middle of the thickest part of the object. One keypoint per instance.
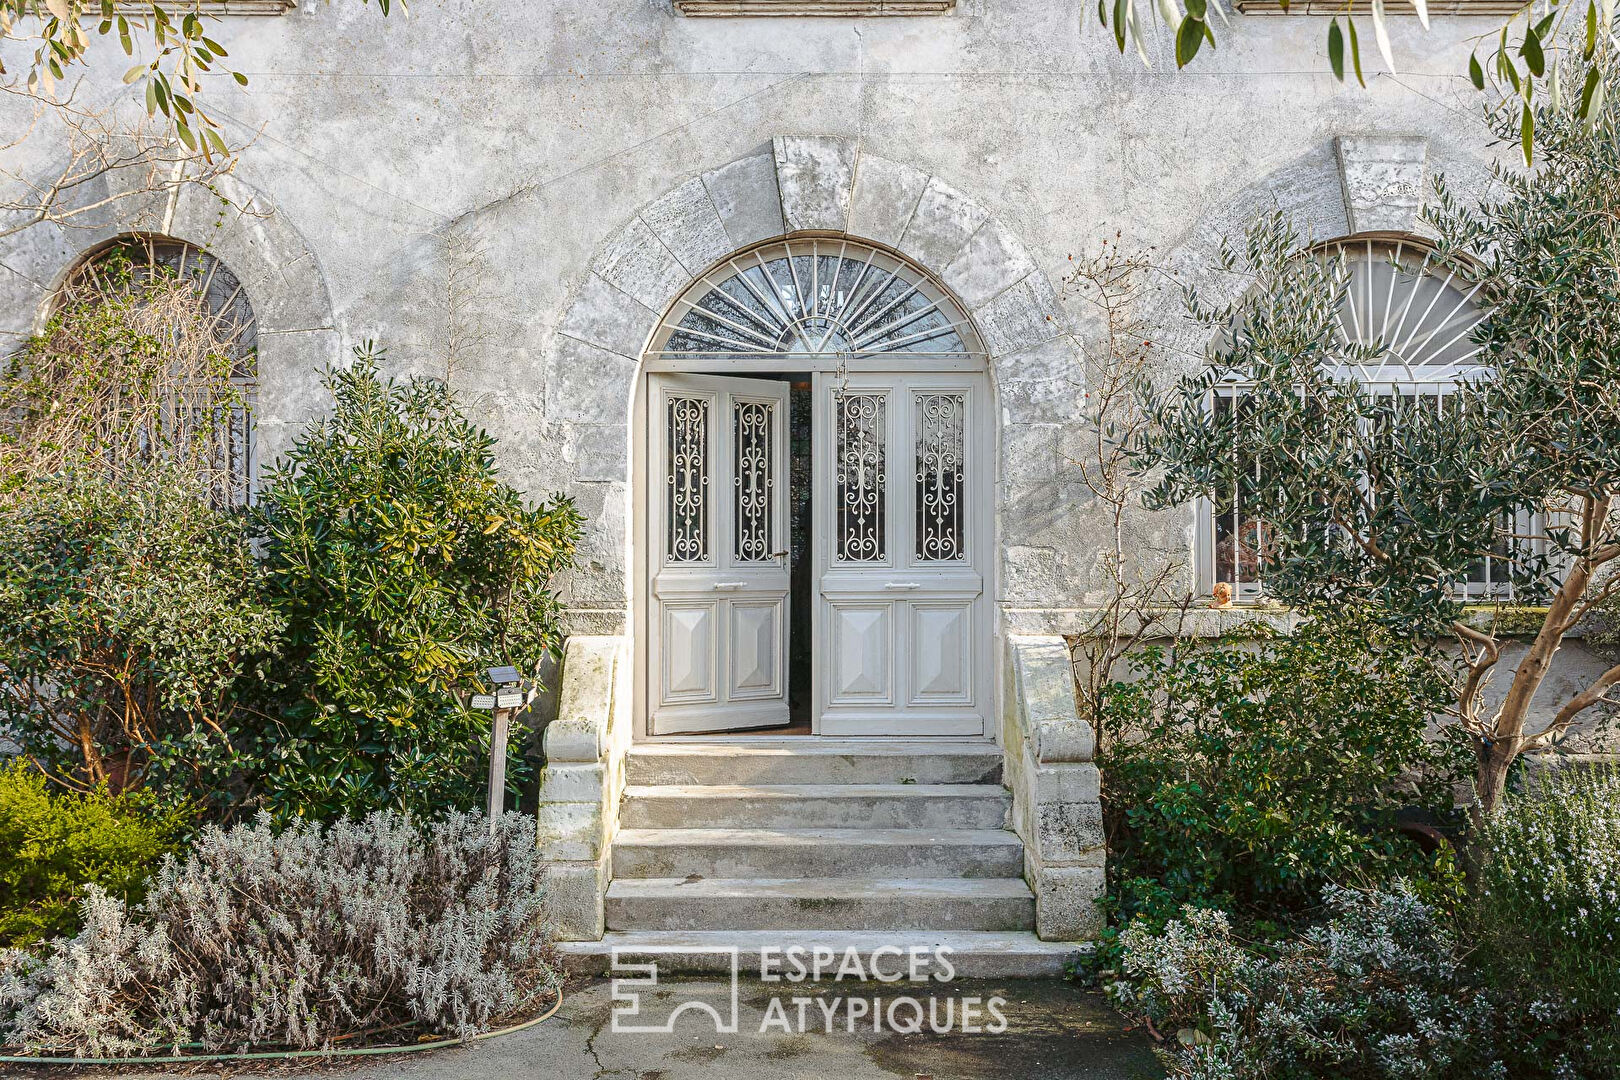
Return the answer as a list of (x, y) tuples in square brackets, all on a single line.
[(1375, 991), (296, 938), (1365, 495)]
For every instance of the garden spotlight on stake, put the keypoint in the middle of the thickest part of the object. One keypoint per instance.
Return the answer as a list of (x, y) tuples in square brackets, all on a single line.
[(512, 693)]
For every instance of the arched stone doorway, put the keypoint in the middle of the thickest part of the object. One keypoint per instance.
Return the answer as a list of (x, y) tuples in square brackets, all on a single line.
[(816, 500), (830, 190)]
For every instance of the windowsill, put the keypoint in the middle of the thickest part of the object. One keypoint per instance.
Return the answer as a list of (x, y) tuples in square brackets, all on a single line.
[(1512, 621), (812, 8), (214, 8), (1327, 8)]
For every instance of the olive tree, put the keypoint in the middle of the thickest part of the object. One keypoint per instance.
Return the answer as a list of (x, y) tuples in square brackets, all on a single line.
[(1389, 499), (173, 47)]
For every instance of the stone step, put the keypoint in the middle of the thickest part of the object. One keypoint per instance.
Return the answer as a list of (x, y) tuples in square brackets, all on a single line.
[(820, 904), (974, 954), (813, 806), (817, 761), (826, 853)]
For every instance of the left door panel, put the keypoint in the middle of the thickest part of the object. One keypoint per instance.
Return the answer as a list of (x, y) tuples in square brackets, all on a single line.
[(718, 462)]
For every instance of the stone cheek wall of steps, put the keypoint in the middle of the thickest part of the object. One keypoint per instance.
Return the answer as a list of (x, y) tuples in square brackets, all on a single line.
[(691, 845)]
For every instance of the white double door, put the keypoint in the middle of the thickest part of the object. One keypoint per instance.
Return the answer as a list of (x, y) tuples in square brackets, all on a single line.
[(899, 536)]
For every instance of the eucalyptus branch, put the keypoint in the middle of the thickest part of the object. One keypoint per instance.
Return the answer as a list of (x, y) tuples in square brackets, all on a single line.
[(121, 163), (172, 51)]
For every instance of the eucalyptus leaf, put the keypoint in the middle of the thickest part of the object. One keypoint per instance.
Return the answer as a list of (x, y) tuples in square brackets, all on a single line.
[(1188, 40), (1534, 59), (1381, 34)]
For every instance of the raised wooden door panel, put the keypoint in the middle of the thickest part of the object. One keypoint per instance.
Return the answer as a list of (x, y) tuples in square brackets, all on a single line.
[(688, 672), (904, 509), (717, 467), (757, 638), (860, 663), (941, 652)]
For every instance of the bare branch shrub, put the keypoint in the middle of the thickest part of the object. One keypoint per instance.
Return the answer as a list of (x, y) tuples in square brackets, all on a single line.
[(143, 360), (1144, 598)]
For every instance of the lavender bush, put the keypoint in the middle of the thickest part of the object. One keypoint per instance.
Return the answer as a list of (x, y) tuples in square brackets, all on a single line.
[(1376, 991), (296, 938)]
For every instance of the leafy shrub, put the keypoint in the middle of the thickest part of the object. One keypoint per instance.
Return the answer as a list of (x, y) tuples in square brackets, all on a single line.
[(1377, 991), (1545, 915), (403, 567), (130, 622), (54, 844), (1246, 774), (297, 938)]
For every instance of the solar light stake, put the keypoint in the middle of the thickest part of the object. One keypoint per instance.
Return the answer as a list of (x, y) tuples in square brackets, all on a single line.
[(497, 766), (510, 695)]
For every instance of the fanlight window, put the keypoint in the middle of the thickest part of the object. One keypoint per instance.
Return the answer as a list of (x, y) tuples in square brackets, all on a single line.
[(822, 300), (1423, 314)]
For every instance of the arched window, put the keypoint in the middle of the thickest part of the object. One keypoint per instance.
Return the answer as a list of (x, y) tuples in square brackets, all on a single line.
[(189, 392), (828, 301), (1423, 313)]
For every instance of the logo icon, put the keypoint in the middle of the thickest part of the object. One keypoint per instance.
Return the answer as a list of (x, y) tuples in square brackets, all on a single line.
[(639, 1010)]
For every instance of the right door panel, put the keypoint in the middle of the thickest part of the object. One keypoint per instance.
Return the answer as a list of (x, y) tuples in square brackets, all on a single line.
[(903, 515)]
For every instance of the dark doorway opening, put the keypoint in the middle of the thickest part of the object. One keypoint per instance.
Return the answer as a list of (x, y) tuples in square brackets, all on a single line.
[(801, 586)]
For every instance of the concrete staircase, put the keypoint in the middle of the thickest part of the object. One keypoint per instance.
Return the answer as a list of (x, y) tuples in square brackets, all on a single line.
[(820, 842)]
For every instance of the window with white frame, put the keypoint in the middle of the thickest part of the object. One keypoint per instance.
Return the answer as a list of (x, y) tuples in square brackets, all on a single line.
[(1423, 313)]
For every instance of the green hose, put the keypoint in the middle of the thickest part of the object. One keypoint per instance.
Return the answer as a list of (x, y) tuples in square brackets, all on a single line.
[(360, 1051)]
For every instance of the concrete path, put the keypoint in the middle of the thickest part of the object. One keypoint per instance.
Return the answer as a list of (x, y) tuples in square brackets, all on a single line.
[(1053, 1031)]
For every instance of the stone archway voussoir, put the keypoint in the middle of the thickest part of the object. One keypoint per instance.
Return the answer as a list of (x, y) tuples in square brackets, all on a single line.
[(941, 226), (608, 318), (744, 193), (686, 222), (990, 262), (637, 263), (885, 197)]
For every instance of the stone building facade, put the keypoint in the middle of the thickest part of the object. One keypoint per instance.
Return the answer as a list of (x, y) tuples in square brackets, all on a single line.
[(536, 202)]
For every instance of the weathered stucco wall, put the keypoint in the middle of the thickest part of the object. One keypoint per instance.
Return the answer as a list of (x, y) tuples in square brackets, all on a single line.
[(445, 184)]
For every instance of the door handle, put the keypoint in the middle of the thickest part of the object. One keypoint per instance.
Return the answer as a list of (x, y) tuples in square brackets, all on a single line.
[(730, 584), (899, 585)]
